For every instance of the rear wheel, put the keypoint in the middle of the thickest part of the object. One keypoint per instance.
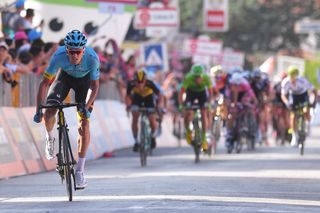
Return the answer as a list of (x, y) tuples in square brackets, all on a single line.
[(239, 143)]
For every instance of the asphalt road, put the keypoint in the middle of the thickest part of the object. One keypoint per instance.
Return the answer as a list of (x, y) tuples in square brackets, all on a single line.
[(270, 179)]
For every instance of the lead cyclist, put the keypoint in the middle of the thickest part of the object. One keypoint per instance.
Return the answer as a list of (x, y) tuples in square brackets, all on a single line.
[(77, 68)]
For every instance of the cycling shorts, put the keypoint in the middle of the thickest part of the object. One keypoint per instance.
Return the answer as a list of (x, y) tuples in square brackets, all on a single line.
[(302, 99), (140, 101), (63, 83), (193, 96)]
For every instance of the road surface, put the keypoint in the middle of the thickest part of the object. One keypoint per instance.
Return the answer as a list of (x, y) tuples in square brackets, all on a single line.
[(270, 179)]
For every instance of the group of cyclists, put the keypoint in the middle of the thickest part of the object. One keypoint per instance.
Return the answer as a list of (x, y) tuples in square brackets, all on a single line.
[(79, 70), (236, 89)]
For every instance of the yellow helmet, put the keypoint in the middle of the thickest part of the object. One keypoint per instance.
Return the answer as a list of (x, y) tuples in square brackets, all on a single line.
[(140, 75), (293, 71)]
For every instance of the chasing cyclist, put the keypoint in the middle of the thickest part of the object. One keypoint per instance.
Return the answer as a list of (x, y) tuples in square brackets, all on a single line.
[(297, 88), (79, 70), (198, 87), (141, 92)]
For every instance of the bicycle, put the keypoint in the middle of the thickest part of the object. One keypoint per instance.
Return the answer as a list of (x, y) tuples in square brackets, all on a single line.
[(178, 130), (244, 128), (145, 133), (65, 159), (196, 129), (217, 123), (301, 125)]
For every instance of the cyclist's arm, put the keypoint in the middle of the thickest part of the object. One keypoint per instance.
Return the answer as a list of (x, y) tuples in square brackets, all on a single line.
[(128, 93), (181, 93), (94, 86), (284, 92), (44, 85), (48, 75)]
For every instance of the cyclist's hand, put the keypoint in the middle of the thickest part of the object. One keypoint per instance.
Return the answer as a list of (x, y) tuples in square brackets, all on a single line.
[(289, 107), (86, 113), (180, 108), (162, 110), (313, 105), (38, 116)]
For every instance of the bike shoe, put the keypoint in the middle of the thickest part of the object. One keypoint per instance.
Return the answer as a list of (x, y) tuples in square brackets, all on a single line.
[(153, 143), (81, 182), (136, 147), (189, 137)]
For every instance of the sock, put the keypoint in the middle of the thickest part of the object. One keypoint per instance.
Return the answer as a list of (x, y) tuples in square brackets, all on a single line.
[(136, 140), (80, 164), (49, 134)]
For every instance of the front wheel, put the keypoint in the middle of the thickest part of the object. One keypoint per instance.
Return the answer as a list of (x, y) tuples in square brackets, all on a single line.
[(68, 173)]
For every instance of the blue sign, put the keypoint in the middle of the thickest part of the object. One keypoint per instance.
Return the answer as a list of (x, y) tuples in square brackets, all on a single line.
[(155, 57)]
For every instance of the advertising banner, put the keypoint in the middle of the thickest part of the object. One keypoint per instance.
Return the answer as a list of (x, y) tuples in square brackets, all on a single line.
[(216, 15)]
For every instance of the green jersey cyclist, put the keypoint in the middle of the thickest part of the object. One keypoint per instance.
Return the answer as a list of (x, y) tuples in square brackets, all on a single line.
[(198, 87)]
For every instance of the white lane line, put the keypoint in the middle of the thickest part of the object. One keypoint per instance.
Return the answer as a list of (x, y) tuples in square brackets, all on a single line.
[(167, 197), (281, 174)]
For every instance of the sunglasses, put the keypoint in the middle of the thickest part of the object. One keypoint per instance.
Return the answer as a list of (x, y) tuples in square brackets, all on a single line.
[(75, 52)]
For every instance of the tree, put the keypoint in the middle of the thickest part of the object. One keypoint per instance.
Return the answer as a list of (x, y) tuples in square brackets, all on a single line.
[(264, 25)]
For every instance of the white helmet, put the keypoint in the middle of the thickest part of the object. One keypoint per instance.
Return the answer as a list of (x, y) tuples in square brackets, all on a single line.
[(216, 70), (237, 78)]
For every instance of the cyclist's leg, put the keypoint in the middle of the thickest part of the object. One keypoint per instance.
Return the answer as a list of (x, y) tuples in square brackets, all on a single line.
[(56, 94), (149, 103), (203, 98), (58, 91), (81, 87), (136, 102), (188, 114)]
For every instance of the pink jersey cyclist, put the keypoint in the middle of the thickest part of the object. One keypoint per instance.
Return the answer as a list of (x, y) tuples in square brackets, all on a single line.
[(240, 88)]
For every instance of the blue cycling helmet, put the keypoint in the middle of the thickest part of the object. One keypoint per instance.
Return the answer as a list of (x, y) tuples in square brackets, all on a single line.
[(75, 39)]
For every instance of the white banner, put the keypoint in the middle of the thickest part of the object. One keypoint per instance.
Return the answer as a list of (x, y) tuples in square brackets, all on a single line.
[(283, 62), (216, 15), (156, 17), (203, 47)]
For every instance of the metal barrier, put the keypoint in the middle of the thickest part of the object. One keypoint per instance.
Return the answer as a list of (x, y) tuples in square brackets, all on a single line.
[(25, 93)]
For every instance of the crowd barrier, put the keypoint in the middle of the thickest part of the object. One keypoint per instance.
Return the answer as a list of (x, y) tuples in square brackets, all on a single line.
[(22, 141)]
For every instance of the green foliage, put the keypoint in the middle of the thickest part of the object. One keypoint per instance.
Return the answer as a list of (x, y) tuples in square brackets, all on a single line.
[(254, 25)]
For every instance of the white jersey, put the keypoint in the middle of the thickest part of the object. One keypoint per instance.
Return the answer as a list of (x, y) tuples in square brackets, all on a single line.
[(301, 86)]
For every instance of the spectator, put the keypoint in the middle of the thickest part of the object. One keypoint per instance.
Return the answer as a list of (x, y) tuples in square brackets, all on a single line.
[(21, 41), (5, 71), (131, 67), (11, 21)]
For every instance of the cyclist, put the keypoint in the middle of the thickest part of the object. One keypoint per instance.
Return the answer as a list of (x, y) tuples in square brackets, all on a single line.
[(297, 87), (260, 84), (79, 70), (198, 87), (280, 113), (240, 91), (220, 81), (141, 92)]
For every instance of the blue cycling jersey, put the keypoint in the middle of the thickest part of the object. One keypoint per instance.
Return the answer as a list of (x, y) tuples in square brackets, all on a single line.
[(89, 64)]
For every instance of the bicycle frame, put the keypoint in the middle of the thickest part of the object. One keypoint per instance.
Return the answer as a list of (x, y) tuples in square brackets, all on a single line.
[(301, 126), (196, 128), (145, 134), (65, 158)]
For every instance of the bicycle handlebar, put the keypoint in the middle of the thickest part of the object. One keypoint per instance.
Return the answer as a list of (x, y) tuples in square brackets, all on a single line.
[(60, 106)]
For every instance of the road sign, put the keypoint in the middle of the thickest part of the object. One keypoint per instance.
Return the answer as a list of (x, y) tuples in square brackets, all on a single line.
[(203, 47), (155, 56), (215, 15), (155, 17), (310, 26)]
